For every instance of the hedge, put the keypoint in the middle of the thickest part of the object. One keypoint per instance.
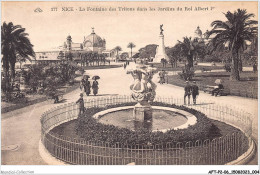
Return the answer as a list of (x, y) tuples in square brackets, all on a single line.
[(90, 129)]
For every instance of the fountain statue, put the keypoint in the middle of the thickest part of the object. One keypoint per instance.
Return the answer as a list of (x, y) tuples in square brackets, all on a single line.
[(161, 28), (143, 90)]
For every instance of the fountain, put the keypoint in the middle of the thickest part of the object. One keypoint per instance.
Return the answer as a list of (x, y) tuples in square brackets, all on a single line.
[(143, 91), (142, 115)]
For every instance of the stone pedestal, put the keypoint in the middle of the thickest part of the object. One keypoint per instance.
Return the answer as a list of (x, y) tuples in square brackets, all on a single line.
[(160, 51), (142, 112)]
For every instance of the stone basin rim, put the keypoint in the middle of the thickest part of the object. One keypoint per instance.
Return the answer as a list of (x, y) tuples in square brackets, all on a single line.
[(191, 119)]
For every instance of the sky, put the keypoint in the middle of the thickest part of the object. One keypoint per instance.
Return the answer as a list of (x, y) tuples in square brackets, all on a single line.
[(48, 29)]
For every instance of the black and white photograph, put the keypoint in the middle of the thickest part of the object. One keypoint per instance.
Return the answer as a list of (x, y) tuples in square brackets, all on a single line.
[(136, 83)]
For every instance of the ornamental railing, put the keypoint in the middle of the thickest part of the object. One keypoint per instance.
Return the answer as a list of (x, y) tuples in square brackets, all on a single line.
[(201, 152)]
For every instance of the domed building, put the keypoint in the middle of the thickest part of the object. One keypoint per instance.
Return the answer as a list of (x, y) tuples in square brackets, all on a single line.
[(198, 34), (92, 42)]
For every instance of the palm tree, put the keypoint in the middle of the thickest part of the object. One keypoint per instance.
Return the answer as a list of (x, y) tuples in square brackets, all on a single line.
[(234, 33), (190, 48), (131, 46), (14, 42), (117, 48)]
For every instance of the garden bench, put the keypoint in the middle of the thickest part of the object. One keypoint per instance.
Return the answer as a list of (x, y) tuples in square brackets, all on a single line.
[(209, 89)]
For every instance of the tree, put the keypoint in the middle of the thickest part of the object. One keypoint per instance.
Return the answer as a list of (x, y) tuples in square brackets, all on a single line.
[(117, 49), (131, 46), (22, 59), (148, 51), (136, 55), (69, 56), (190, 49), (14, 42), (124, 56), (234, 33), (173, 55)]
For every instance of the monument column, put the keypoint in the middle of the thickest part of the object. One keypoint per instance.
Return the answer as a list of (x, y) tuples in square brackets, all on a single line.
[(160, 50)]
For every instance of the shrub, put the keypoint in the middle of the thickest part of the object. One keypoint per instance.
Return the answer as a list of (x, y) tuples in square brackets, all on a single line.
[(90, 129)]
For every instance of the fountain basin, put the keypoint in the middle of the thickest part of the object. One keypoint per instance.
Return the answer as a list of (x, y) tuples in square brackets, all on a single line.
[(164, 118)]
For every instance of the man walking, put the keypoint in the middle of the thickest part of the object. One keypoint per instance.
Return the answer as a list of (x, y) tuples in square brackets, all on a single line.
[(187, 92), (195, 92), (81, 104)]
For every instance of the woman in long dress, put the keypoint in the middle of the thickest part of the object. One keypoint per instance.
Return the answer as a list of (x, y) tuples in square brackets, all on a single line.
[(87, 87), (95, 87)]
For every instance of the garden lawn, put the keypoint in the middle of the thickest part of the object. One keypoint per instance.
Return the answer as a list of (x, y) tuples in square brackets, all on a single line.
[(246, 87)]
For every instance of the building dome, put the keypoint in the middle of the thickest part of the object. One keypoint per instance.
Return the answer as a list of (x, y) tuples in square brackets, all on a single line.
[(198, 32), (93, 40), (69, 37)]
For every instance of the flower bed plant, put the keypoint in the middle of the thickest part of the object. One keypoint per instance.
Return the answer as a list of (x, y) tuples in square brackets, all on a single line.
[(91, 130)]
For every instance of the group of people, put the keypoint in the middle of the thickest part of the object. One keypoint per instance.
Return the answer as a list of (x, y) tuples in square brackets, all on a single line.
[(163, 77), (164, 62), (86, 85), (191, 89)]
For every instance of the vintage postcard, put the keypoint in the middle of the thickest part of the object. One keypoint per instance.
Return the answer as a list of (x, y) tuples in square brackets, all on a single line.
[(129, 83)]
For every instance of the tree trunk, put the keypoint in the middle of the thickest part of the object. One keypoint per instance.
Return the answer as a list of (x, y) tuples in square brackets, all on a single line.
[(12, 72), (240, 64), (6, 83), (175, 63), (190, 61), (234, 76), (131, 53)]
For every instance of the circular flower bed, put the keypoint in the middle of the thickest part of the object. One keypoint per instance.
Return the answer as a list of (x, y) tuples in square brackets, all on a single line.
[(90, 129)]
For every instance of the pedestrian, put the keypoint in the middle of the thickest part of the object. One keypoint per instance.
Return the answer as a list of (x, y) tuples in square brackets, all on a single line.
[(95, 87), (81, 104), (195, 92), (187, 92), (254, 67), (165, 76), (82, 83), (87, 86), (217, 90), (162, 77), (56, 98)]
